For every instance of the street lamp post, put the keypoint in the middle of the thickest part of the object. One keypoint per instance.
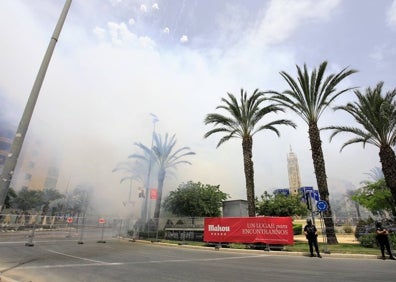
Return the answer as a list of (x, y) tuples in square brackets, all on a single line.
[(10, 163)]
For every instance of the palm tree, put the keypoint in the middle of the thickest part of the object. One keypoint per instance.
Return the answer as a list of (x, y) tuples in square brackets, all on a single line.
[(376, 114), (243, 122), (165, 156), (134, 171), (309, 96)]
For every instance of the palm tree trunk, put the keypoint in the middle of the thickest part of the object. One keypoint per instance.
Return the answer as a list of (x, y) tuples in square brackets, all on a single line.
[(321, 179), (161, 179), (388, 161), (247, 145)]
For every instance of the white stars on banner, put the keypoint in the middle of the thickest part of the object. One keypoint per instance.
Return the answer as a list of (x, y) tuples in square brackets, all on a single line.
[(218, 234)]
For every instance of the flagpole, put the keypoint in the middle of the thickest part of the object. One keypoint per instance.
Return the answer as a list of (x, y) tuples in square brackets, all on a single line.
[(12, 158)]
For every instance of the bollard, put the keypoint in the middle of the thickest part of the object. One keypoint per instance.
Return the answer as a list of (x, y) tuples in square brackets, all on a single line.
[(80, 241), (69, 235), (69, 221), (31, 237), (102, 221)]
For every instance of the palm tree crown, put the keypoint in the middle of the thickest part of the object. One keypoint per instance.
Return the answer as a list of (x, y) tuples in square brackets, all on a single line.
[(164, 153), (311, 95), (242, 122), (244, 117), (376, 114)]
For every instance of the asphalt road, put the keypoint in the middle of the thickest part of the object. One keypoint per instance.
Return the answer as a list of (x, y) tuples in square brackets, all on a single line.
[(121, 260)]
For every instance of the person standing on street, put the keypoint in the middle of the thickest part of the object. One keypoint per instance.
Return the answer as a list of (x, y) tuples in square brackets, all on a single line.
[(311, 233), (383, 240)]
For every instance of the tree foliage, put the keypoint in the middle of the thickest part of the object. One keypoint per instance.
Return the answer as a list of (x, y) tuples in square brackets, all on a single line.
[(375, 115), (195, 200), (376, 197), (11, 195), (243, 119), (280, 205), (49, 195), (28, 200)]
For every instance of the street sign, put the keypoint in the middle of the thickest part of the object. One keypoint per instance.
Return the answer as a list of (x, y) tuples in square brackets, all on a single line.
[(69, 220), (102, 220), (322, 205)]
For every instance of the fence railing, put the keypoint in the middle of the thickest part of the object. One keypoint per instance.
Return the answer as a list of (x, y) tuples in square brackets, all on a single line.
[(173, 228)]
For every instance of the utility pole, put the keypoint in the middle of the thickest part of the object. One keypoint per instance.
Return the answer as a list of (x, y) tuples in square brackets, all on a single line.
[(12, 158), (146, 211)]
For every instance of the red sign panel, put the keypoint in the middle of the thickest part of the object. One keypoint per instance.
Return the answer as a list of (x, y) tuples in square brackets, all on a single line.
[(269, 230), (153, 193), (69, 220), (102, 220)]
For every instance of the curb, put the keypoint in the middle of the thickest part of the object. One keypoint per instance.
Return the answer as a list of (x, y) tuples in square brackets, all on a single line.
[(275, 253)]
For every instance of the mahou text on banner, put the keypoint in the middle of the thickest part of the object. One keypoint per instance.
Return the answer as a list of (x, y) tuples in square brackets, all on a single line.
[(268, 230)]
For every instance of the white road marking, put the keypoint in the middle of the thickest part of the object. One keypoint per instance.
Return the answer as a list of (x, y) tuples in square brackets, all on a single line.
[(71, 256), (101, 263)]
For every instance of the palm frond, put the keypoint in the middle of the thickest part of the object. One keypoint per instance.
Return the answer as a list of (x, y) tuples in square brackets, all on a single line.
[(376, 115), (243, 116), (312, 93)]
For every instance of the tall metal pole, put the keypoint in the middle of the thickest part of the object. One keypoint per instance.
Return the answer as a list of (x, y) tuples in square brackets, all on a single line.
[(11, 161), (147, 200)]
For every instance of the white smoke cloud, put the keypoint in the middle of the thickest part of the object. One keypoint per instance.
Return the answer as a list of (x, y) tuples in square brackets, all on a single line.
[(100, 32), (392, 15), (184, 39), (131, 21), (283, 17), (120, 33), (143, 8)]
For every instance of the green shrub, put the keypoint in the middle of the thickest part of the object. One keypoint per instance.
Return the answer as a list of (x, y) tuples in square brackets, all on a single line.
[(360, 227), (297, 229), (392, 240), (368, 241)]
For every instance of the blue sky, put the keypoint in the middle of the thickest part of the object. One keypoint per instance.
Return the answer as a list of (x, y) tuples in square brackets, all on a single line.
[(117, 61)]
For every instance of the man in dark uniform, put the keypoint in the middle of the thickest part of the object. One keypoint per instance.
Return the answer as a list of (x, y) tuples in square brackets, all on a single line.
[(383, 240), (311, 233)]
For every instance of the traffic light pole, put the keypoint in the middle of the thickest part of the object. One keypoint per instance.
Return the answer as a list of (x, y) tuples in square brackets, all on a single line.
[(11, 161)]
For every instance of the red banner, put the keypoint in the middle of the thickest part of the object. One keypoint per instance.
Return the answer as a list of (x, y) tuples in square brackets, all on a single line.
[(269, 230), (153, 194)]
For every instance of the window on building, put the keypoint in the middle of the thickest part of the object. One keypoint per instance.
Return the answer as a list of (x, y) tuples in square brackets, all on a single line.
[(28, 176)]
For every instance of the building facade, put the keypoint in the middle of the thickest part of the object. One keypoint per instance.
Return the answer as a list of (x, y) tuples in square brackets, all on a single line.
[(37, 167), (293, 172)]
